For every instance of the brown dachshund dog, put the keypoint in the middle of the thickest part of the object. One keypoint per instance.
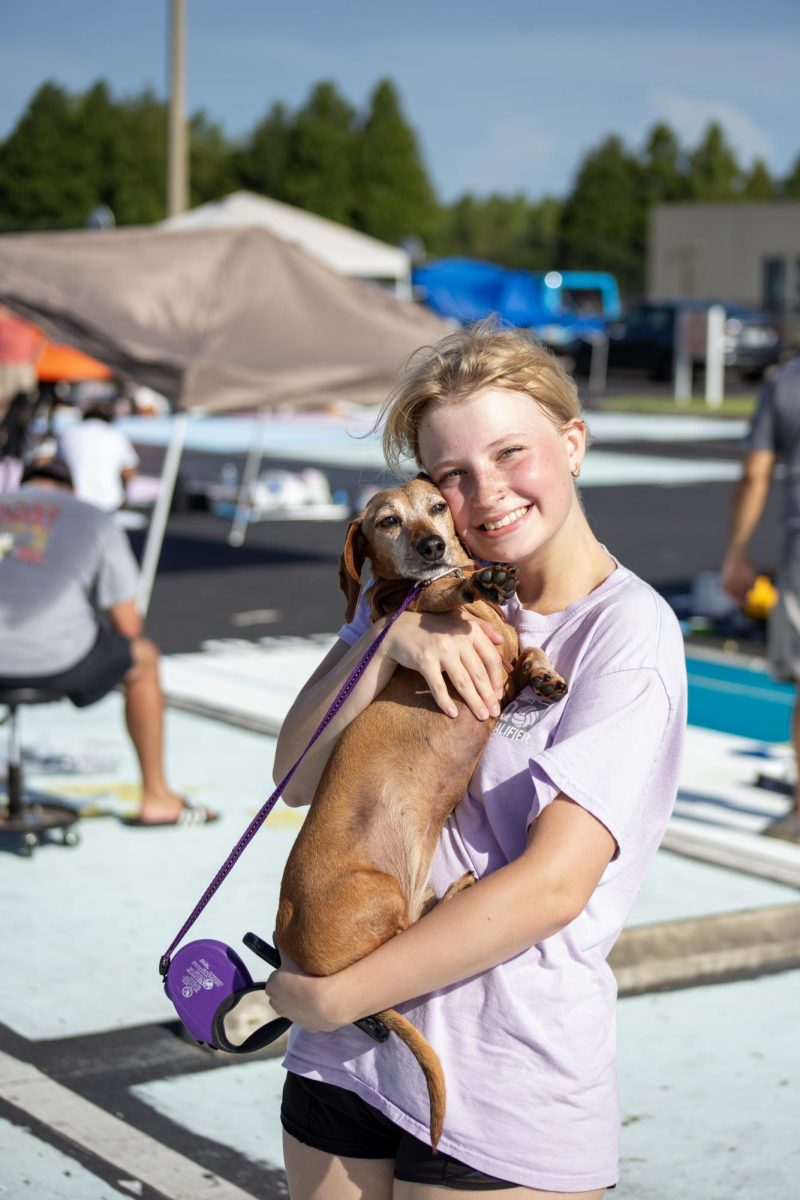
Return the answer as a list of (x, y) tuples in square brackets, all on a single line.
[(358, 872)]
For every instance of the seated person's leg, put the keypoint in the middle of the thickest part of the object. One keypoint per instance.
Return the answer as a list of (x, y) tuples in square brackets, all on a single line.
[(144, 717)]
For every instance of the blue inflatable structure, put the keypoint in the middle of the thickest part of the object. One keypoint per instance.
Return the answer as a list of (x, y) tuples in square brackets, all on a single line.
[(549, 304)]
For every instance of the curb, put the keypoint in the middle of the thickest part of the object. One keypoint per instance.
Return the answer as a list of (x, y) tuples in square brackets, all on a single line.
[(751, 853), (703, 950)]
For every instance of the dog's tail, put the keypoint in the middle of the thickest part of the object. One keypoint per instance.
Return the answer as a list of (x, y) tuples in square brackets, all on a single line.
[(428, 1059)]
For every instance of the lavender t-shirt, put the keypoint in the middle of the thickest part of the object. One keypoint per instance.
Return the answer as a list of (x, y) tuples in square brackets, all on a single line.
[(528, 1047)]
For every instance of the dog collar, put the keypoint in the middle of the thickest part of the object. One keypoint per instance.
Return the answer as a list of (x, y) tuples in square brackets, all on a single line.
[(459, 574)]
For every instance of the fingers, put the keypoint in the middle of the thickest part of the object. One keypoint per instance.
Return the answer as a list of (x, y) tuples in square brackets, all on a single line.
[(491, 631), (493, 662), (473, 683), (457, 649), (437, 685), (738, 577)]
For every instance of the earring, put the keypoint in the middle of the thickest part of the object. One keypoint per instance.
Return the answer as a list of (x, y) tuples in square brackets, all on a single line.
[(575, 472)]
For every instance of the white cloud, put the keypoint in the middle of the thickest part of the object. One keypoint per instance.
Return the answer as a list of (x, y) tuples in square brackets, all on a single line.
[(689, 116)]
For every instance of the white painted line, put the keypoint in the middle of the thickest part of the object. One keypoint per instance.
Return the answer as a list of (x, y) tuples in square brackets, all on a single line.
[(134, 1153), (239, 1107), (257, 616), (746, 691)]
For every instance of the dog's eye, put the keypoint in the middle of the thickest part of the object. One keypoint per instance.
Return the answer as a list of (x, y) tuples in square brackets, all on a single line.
[(438, 508), (387, 522)]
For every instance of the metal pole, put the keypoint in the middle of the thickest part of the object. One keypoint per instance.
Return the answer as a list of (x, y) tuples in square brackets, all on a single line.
[(249, 475), (177, 156), (598, 365), (715, 356), (158, 521), (682, 360)]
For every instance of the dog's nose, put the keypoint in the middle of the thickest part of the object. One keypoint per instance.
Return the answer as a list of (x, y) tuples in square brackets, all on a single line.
[(431, 548)]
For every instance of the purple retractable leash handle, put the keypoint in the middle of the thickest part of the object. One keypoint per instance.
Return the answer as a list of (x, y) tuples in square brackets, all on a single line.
[(205, 979)]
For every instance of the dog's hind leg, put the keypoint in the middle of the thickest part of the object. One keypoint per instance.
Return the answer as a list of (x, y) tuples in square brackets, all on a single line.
[(458, 885), (431, 899)]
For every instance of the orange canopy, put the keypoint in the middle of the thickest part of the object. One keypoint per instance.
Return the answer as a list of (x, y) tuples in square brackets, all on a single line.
[(19, 340), (62, 362)]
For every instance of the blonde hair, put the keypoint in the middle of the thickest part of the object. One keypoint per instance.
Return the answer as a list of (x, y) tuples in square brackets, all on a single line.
[(479, 356)]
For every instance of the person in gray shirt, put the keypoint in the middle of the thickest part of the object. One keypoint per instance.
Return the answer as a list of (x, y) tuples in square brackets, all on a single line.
[(774, 436), (69, 621)]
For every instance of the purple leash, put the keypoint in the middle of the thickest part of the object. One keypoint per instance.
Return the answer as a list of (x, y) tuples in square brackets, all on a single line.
[(261, 816)]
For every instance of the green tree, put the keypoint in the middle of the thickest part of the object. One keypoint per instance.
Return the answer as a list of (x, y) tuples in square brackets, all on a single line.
[(459, 228), (319, 172), (393, 196), (140, 161), (758, 184), (602, 223), (260, 163), (790, 187), (509, 230), (40, 187), (663, 171), (98, 133), (713, 170), (212, 171), (543, 227)]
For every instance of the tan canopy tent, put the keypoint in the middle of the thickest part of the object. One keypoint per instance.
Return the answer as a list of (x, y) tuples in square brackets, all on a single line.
[(216, 319), (344, 250)]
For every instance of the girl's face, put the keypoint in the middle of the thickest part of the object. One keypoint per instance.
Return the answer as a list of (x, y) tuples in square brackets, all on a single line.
[(505, 470)]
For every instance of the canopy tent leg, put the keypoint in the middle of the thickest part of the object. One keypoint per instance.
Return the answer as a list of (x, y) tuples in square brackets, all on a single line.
[(255, 454), (158, 520)]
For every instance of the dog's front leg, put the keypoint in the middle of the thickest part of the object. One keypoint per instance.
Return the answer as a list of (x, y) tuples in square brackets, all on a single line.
[(496, 584), (534, 668)]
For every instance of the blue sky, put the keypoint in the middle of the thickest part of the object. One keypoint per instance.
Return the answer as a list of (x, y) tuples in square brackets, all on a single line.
[(504, 96)]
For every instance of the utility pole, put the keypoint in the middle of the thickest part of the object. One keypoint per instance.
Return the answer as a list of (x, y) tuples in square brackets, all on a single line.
[(177, 156)]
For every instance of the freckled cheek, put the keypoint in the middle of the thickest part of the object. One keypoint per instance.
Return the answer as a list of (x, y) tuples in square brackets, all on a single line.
[(459, 511)]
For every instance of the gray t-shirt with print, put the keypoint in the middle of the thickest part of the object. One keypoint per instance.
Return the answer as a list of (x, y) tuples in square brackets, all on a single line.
[(62, 563), (776, 426)]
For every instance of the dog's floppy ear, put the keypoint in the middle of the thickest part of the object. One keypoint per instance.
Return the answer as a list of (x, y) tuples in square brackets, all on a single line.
[(350, 565), (423, 475)]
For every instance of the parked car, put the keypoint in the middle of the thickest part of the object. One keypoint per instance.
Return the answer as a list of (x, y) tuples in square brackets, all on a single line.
[(644, 337)]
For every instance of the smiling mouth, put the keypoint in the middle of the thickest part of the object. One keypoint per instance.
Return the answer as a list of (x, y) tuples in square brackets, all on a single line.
[(508, 519)]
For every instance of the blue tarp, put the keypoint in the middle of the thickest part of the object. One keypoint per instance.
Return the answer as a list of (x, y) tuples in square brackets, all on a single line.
[(467, 289)]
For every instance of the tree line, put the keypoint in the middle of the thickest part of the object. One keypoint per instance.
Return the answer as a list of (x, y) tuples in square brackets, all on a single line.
[(70, 153)]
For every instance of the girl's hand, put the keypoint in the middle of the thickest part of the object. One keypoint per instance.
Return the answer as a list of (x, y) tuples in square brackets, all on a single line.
[(455, 645), (307, 1000)]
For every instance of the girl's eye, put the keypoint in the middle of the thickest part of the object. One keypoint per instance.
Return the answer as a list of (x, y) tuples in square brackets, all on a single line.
[(448, 477), (510, 450), (438, 508), (388, 522)]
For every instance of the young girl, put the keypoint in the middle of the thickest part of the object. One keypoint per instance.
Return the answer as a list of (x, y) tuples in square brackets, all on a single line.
[(508, 980)]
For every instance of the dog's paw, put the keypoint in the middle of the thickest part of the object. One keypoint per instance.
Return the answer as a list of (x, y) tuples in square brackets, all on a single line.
[(497, 583), (534, 670)]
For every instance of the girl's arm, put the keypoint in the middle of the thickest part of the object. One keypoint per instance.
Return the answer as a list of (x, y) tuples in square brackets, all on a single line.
[(453, 645), (503, 914)]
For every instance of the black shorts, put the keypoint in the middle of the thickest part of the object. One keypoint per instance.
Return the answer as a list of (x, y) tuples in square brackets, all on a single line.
[(339, 1122), (106, 665)]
